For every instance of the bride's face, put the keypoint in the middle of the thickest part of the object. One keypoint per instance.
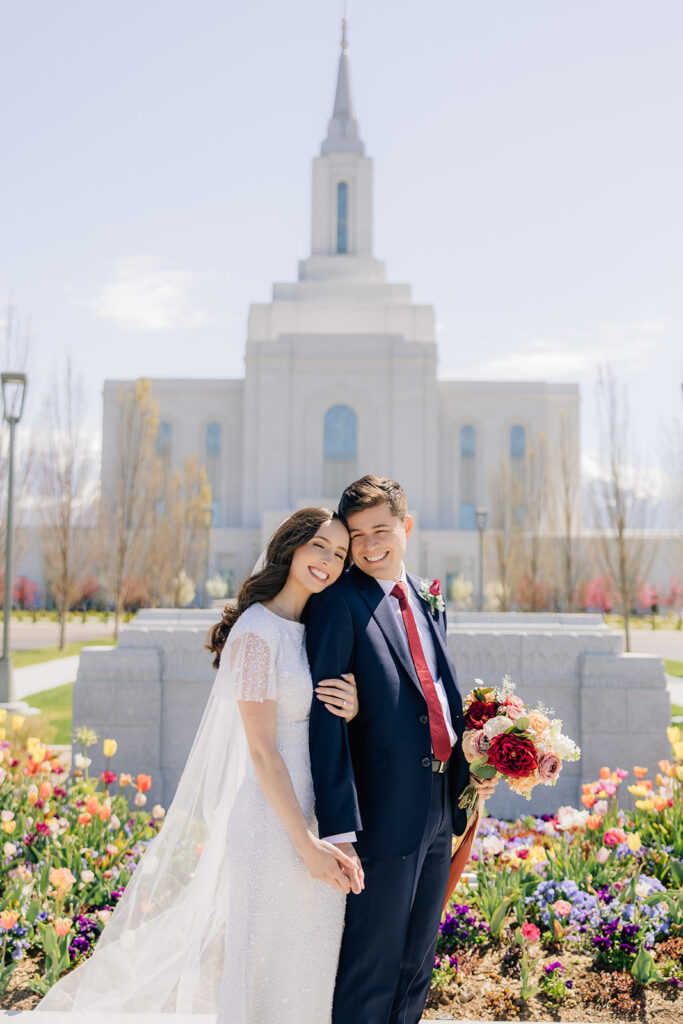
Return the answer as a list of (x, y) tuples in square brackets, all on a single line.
[(320, 561)]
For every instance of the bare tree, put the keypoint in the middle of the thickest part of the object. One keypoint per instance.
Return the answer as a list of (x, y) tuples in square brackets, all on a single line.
[(64, 480), (535, 516), (129, 492), (620, 506), (504, 492), (567, 509), (189, 498), (672, 459)]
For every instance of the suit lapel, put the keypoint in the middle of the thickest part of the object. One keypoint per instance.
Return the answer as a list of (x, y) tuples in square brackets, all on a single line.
[(383, 613)]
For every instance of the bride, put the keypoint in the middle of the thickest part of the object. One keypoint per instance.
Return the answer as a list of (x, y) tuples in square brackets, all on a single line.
[(237, 906)]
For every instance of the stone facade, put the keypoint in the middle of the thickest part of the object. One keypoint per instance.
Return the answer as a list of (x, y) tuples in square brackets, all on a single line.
[(149, 693)]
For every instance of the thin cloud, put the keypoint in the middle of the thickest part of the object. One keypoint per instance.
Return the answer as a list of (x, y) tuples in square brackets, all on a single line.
[(142, 295)]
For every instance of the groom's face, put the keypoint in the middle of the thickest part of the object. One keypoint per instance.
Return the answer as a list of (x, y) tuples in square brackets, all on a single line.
[(378, 541)]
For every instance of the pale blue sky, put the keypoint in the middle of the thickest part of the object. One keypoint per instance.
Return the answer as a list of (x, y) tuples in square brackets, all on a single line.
[(155, 180)]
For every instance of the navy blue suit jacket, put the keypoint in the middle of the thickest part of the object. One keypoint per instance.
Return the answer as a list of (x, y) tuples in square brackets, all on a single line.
[(373, 776)]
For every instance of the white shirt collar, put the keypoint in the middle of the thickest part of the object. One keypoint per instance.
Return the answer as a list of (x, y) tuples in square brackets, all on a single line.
[(388, 585)]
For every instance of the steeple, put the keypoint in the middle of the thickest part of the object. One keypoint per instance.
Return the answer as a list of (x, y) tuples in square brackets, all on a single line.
[(342, 130)]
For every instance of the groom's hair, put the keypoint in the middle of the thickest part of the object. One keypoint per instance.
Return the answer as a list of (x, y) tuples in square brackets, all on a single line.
[(370, 491)]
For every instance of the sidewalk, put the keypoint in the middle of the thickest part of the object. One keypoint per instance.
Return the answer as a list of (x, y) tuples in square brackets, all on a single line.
[(44, 676)]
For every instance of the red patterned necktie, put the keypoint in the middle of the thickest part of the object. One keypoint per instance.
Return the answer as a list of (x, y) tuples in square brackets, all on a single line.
[(441, 741)]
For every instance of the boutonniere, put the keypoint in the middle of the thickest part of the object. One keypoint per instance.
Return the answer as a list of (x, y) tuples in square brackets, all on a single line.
[(430, 591)]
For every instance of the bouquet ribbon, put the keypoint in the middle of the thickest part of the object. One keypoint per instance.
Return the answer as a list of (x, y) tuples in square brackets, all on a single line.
[(460, 858)]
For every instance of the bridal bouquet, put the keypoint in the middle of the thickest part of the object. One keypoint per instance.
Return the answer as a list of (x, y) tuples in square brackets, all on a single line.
[(503, 737)]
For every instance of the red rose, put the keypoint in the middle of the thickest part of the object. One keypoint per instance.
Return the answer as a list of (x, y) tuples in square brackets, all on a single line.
[(479, 712), (513, 756), (435, 588)]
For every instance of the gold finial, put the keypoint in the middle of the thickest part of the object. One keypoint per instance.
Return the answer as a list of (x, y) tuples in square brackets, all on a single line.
[(344, 42)]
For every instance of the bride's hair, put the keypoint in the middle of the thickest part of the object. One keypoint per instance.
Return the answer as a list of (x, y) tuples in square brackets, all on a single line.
[(269, 581)]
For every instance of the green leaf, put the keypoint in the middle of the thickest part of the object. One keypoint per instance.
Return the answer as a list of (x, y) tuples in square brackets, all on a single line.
[(644, 969), (522, 723), (676, 868), (487, 771), (499, 915)]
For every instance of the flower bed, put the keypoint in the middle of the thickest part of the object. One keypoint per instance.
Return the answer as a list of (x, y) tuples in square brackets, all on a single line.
[(578, 915)]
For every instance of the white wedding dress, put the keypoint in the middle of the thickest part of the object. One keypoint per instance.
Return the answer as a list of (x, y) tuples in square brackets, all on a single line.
[(221, 916)]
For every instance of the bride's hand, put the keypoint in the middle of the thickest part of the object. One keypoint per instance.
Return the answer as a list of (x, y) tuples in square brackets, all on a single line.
[(329, 864), (339, 696)]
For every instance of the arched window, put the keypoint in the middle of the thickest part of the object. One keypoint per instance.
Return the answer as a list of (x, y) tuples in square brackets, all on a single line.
[(518, 466), (517, 443), (214, 444), (342, 216), (468, 477), (340, 449)]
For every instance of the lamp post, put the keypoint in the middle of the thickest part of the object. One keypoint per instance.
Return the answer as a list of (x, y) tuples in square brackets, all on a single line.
[(208, 519), (13, 393), (481, 515)]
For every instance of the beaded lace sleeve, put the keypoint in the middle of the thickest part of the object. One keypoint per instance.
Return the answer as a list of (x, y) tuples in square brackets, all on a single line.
[(251, 665)]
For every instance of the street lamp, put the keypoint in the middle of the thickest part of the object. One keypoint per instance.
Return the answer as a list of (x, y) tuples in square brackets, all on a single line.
[(481, 515), (13, 393)]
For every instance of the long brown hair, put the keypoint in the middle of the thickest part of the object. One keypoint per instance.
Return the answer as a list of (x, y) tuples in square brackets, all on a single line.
[(267, 584)]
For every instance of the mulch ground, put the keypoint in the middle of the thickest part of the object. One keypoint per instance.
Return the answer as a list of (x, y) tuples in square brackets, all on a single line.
[(484, 990)]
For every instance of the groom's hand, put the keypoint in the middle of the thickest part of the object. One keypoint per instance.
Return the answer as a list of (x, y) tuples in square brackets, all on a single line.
[(357, 876), (485, 787)]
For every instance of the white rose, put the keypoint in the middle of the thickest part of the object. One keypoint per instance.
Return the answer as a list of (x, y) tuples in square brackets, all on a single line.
[(495, 726)]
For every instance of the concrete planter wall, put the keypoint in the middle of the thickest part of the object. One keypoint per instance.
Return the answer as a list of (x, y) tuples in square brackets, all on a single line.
[(149, 693)]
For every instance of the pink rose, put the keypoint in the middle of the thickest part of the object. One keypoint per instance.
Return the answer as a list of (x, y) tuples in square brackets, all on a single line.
[(549, 767), (435, 588), (530, 932), (562, 908), (475, 744)]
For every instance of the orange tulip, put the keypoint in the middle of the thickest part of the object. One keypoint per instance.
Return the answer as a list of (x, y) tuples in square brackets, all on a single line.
[(45, 790), (92, 805), (588, 800), (8, 919), (84, 818), (62, 925), (33, 797), (647, 783), (594, 822), (659, 803), (143, 782), (639, 772), (605, 773), (587, 787), (104, 812)]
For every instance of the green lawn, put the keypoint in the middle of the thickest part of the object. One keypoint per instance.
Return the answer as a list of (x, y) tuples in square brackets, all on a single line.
[(20, 659), (674, 668), (53, 724)]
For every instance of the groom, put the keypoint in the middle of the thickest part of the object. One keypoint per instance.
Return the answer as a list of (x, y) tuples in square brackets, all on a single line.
[(390, 781)]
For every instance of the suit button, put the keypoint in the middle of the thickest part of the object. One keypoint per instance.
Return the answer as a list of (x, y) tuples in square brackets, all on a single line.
[(426, 762), (424, 719)]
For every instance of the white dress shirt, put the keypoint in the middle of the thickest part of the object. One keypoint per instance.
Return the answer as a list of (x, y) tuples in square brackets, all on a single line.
[(429, 651)]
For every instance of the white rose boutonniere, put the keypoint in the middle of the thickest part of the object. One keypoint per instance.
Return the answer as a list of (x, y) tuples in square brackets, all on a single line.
[(430, 591)]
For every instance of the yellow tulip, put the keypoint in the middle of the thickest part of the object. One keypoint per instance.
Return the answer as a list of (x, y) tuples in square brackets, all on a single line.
[(639, 790), (109, 747), (9, 827), (645, 805), (679, 772), (678, 749), (673, 733), (38, 754), (3, 714), (3, 733), (18, 721), (634, 842)]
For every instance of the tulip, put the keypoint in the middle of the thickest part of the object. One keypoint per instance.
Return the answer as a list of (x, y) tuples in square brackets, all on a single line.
[(18, 721), (104, 812), (143, 782), (645, 805), (92, 805), (602, 855), (621, 774), (111, 849), (9, 849), (87, 876), (44, 790), (8, 919), (639, 771), (139, 799), (562, 908), (639, 790), (109, 747), (634, 841), (32, 794), (678, 749), (588, 800), (679, 772), (605, 773), (158, 811), (9, 827), (62, 925), (594, 822), (125, 779), (62, 878), (3, 714), (659, 803), (673, 733), (84, 818), (3, 733), (6, 815)]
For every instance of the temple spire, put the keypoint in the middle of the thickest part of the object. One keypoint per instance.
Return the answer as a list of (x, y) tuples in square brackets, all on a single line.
[(342, 130)]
